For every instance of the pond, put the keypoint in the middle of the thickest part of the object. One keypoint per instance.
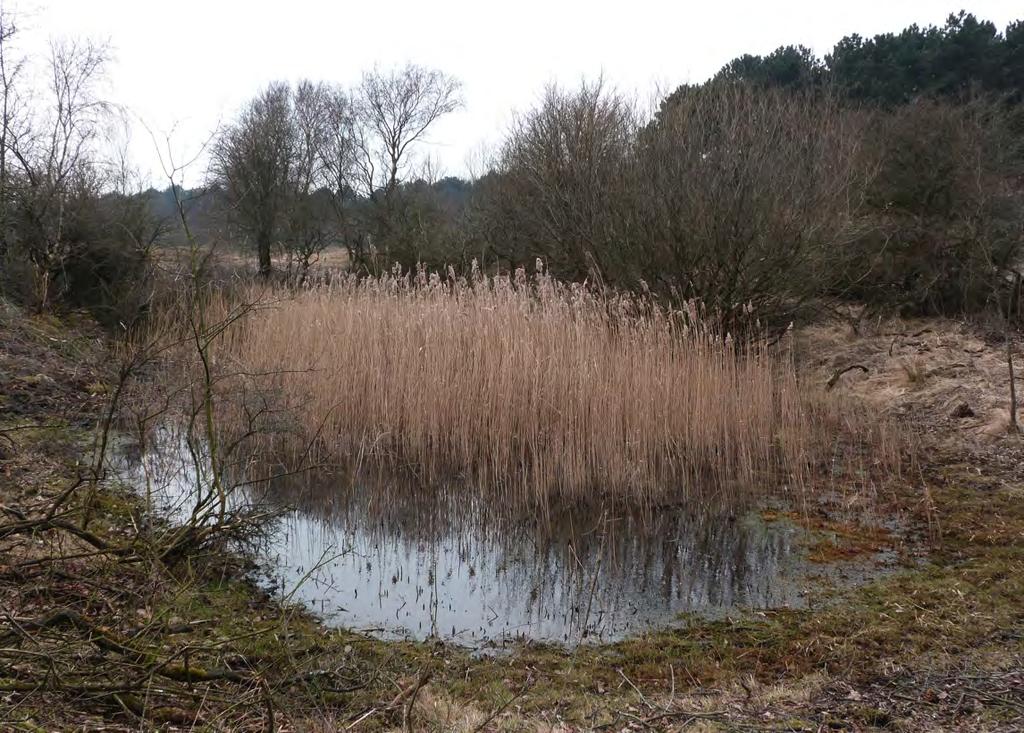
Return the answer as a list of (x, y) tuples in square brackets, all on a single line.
[(405, 562)]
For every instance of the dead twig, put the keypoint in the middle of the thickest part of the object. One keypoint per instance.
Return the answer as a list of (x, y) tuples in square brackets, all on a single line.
[(1014, 426)]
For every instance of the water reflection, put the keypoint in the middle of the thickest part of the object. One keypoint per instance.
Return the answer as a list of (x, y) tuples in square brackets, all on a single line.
[(445, 564), (405, 561)]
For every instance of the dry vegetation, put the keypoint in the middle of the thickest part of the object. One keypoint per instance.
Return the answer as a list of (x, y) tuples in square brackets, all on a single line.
[(533, 387), (96, 639), (942, 374), (761, 198)]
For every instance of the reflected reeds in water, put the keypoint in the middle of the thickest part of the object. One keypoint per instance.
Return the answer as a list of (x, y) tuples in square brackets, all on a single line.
[(445, 563), (379, 554)]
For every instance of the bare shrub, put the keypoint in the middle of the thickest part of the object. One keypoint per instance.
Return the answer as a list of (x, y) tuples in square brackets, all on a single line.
[(750, 194), (532, 388), (564, 188), (733, 194), (107, 261)]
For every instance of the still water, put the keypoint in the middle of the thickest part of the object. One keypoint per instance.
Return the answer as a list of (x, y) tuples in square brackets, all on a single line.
[(440, 565), (402, 562)]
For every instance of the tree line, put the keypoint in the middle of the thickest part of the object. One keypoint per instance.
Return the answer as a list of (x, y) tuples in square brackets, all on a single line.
[(960, 58), (889, 172)]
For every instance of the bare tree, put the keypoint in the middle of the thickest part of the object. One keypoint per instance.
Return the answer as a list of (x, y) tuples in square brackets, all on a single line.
[(295, 156), (565, 174), (254, 161), (11, 67), (337, 153), (54, 148), (329, 119), (394, 112), (337, 139), (287, 167), (307, 232)]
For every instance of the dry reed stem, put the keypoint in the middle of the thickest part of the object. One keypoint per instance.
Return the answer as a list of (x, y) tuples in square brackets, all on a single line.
[(531, 388)]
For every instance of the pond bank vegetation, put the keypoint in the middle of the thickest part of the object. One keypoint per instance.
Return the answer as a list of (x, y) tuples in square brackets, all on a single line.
[(195, 645)]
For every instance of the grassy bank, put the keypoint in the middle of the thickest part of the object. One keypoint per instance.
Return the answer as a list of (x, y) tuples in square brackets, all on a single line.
[(92, 638)]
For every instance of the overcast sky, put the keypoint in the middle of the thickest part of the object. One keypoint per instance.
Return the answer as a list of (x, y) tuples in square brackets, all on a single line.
[(184, 66)]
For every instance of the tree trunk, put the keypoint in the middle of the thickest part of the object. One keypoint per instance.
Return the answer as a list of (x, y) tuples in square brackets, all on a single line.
[(263, 253)]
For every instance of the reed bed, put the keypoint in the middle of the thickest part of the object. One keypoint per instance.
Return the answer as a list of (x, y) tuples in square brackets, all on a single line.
[(529, 387)]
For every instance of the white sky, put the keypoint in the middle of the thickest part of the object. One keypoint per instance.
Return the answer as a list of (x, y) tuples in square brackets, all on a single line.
[(183, 66)]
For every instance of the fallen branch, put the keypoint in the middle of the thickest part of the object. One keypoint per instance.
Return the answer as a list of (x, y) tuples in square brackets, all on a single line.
[(31, 526), (835, 377), (67, 617)]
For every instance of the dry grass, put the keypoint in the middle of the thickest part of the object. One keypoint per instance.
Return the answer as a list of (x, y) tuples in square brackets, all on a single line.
[(533, 388), (946, 375)]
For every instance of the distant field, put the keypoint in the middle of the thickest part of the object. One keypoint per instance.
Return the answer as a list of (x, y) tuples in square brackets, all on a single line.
[(332, 258)]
